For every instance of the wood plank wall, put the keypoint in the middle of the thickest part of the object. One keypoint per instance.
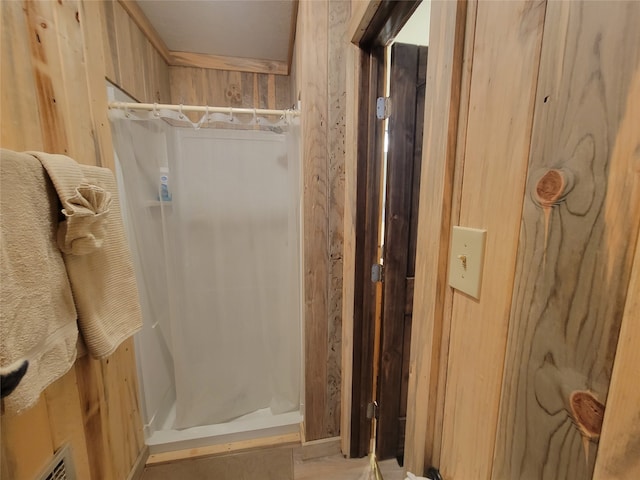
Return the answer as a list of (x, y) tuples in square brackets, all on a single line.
[(131, 61), (53, 91), (226, 88), (545, 86), (321, 86), (576, 245)]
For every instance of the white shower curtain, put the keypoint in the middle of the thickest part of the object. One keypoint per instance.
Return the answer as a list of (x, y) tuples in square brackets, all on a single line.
[(219, 261)]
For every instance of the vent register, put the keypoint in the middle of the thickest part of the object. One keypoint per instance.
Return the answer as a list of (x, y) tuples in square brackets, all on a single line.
[(60, 467)]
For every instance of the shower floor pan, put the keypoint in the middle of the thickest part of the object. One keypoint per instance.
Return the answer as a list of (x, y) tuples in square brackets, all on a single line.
[(258, 424)]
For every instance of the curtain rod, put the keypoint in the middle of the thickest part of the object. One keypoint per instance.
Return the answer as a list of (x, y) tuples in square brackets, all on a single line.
[(199, 108)]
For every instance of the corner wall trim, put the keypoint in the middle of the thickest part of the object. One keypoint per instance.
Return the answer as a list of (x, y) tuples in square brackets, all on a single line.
[(138, 468)]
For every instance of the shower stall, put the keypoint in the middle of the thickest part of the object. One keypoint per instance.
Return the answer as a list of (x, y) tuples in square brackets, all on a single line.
[(212, 211)]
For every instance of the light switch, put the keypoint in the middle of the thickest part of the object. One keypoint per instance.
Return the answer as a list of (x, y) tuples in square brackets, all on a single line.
[(467, 259)]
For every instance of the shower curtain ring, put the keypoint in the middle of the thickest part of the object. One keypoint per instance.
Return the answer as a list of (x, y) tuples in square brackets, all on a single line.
[(255, 116), (181, 116), (231, 114), (155, 110)]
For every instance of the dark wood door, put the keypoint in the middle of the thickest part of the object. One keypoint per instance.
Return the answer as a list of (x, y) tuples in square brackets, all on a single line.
[(407, 91)]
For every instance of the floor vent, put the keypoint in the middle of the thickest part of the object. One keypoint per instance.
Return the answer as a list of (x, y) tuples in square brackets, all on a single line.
[(61, 466)]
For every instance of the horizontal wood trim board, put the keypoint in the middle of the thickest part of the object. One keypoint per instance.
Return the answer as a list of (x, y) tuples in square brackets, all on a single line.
[(141, 20), (287, 439), (362, 14), (218, 62)]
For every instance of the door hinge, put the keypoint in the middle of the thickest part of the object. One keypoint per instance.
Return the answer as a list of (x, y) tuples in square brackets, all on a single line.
[(372, 410), (383, 108), (377, 272)]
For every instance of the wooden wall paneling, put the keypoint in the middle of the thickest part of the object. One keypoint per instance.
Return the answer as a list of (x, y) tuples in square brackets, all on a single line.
[(576, 245), (152, 80), (312, 64), (619, 449), (20, 121), (248, 80), (163, 83), (25, 454), (146, 28), (339, 12), (505, 68), (223, 88), (63, 408), (94, 412), (435, 422), (125, 421), (81, 131), (261, 92), (52, 100), (271, 91), (108, 390), (110, 43), (58, 104), (138, 56), (90, 20), (284, 98), (439, 149), (188, 87), (129, 55)]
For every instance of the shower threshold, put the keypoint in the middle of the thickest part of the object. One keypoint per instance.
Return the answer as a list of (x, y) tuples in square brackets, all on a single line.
[(259, 424)]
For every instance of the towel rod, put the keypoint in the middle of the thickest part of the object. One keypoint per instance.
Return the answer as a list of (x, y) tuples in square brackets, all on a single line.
[(200, 108)]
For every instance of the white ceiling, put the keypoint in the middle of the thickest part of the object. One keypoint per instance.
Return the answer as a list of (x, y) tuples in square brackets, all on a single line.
[(256, 29)]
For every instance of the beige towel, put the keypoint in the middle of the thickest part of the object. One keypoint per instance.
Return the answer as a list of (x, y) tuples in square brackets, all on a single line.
[(96, 255), (37, 313)]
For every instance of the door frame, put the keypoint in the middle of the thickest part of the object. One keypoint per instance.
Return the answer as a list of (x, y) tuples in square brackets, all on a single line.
[(372, 24), (371, 29)]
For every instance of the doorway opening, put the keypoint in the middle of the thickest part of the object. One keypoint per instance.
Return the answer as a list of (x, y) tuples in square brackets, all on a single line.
[(395, 59)]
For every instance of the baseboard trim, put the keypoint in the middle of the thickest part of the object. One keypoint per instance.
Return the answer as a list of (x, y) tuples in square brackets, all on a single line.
[(324, 447), (289, 439)]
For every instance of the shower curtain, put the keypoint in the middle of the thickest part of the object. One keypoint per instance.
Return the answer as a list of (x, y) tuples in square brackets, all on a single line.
[(215, 225)]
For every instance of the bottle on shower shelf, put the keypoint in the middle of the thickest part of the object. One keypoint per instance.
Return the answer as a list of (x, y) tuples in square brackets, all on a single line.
[(165, 193)]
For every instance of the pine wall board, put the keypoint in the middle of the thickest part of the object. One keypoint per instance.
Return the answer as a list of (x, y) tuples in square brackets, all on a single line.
[(547, 148), (54, 64), (505, 68), (577, 241), (131, 61), (320, 78)]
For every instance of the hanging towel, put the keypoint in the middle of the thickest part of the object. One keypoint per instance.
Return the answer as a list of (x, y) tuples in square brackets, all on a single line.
[(37, 313), (96, 253)]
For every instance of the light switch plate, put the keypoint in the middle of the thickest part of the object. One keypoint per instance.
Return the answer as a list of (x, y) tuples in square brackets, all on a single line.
[(467, 259)]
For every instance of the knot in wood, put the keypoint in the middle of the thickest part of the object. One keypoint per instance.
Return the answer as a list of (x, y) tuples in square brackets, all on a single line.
[(587, 412), (550, 188)]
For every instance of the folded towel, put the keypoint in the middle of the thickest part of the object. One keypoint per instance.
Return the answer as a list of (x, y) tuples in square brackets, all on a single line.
[(96, 253), (37, 313)]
